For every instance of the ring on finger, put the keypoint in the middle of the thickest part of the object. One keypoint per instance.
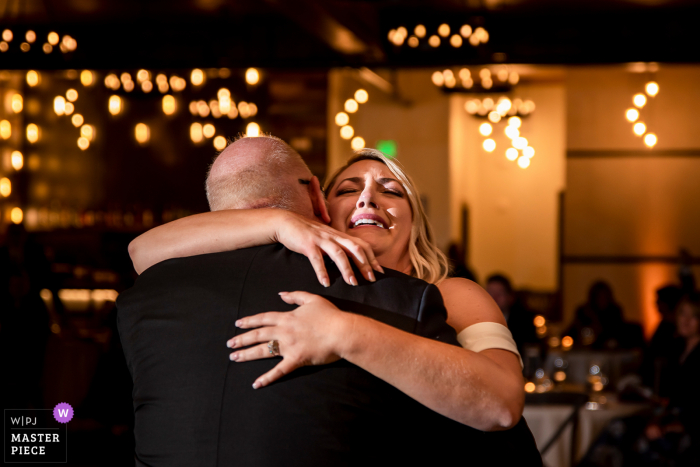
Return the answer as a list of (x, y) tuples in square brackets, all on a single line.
[(274, 348)]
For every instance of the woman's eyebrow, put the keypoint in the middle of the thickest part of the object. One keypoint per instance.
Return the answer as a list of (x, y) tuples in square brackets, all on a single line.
[(352, 180), (383, 181)]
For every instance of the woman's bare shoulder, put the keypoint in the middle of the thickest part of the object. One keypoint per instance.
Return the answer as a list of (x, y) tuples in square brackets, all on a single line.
[(468, 303)]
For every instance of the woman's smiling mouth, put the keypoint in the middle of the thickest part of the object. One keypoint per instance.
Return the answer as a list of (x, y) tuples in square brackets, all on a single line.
[(370, 220)]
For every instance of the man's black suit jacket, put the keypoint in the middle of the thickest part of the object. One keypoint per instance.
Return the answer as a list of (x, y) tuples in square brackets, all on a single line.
[(195, 407)]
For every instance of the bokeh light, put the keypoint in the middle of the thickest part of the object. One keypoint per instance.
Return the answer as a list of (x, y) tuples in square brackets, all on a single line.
[(639, 128), (86, 78), (347, 132), (142, 133), (196, 133), (341, 119), (115, 105), (208, 130), (358, 142), (17, 103), (485, 129), (220, 143), (351, 106), (361, 96), (489, 145), (252, 130), (32, 133), (252, 76), (650, 139), (652, 88), (632, 115), (196, 78), (639, 100), (17, 160)]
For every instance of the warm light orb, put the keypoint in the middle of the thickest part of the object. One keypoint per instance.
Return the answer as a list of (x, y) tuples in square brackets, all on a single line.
[(32, 78), (53, 38), (494, 116), (512, 132), (351, 106), (438, 78), (529, 152), (17, 160), (632, 115), (129, 86), (77, 120), (83, 143), (16, 215), (485, 129), (466, 31), (5, 129), (147, 86), (346, 132), (524, 162), (361, 96), (208, 130), (7, 35), (86, 78), (489, 145), (413, 42), (456, 41), (17, 103), (539, 321), (639, 128), (196, 78), (434, 41), (219, 143), (142, 133), (115, 105), (142, 75), (567, 342), (169, 104), (652, 88), (72, 95), (87, 131), (5, 187), (650, 139), (419, 31), (511, 154), (639, 100), (69, 108), (530, 387), (32, 133), (519, 142), (252, 130), (341, 119), (471, 106), (358, 142), (444, 30), (252, 76), (504, 106), (196, 133)]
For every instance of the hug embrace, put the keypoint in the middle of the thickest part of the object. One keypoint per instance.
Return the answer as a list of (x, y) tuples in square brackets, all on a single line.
[(299, 326)]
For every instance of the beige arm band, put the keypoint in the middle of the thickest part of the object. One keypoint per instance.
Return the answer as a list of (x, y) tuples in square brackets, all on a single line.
[(488, 335)]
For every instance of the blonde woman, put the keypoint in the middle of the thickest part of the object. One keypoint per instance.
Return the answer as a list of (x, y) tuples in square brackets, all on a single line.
[(377, 220)]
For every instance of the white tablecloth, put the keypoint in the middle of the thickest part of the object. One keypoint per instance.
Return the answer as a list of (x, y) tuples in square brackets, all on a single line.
[(545, 419)]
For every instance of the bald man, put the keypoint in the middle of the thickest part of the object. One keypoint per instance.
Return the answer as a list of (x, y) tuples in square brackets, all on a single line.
[(193, 406)]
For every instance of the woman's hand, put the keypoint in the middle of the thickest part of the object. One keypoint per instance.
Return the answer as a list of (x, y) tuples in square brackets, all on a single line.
[(310, 335), (312, 239)]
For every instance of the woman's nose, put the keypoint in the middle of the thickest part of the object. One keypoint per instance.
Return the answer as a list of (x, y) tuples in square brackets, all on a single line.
[(366, 200)]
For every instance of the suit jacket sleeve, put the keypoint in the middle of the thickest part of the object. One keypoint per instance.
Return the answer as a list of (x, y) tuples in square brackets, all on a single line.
[(432, 318)]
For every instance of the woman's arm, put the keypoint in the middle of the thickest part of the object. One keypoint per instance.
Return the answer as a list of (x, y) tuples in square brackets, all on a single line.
[(242, 228), (483, 390)]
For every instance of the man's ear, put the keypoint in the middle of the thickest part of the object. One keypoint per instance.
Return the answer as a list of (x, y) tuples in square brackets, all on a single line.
[(318, 201)]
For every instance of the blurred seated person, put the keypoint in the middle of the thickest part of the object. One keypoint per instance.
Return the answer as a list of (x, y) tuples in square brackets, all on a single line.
[(519, 319), (660, 351), (599, 323), (458, 268), (676, 432)]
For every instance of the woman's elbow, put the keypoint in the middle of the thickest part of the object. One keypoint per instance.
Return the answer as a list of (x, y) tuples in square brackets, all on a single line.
[(134, 254), (510, 409)]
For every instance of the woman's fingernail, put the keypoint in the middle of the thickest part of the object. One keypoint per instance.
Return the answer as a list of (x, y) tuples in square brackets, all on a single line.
[(256, 385), (353, 281), (239, 323), (381, 269), (371, 277), (233, 357), (283, 293), (325, 282), (229, 343)]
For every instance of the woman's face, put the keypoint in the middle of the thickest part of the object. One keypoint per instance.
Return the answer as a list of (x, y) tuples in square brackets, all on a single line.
[(368, 202), (688, 323)]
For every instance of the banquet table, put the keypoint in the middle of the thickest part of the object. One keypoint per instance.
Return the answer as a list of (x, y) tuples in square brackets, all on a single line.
[(545, 419)]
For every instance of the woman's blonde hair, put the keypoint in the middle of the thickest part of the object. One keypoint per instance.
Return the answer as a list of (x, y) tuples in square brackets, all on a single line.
[(429, 263)]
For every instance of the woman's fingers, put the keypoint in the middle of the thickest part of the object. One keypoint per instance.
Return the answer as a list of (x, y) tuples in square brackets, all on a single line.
[(283, 368), (297, 298), (254, 353), (319, 266), (362, 255), (337, 254)]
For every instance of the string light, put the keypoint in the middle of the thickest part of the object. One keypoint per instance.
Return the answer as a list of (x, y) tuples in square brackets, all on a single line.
[(524, 162), (32, 133), (434, 41), (465, 31), (519, 142), (511, 154), (346, 132), (485, 129), (529, 152), (639, 128), (5, 129), (5, 187), (169, 104), (252, 76), (196, 134), (72, 95), (86, 78), (83, 143), (53, 38), (16, 215), (351, 106), (196, 78), (361, 96), (632, 115), (419, 31), (456, 41), (252, 130), (438, 78), (69, 108), (358, 142), (7, 35), (650, 139), (341, 119), (142, 133), (17, 160), (639, 100), (77, 120), (17, 103), (87, 131), (444, 30), (219, 143), (208, 130), (115, 105), (32, 78), (652, 88), (489, 145)]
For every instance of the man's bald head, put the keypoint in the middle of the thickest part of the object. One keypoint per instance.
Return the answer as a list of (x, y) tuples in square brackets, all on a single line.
[(259, 172)]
